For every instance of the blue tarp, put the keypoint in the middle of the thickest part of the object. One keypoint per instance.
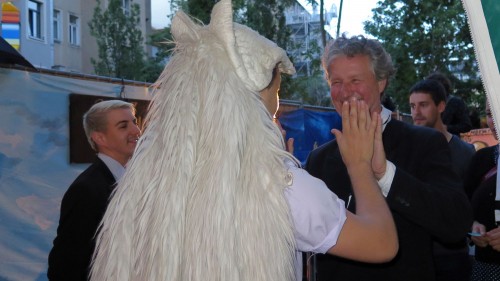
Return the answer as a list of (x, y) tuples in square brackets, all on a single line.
[(309, 129), (35, 170)]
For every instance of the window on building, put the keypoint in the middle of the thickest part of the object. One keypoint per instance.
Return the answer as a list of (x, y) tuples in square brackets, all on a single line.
[(35, 19), (56, 26), (126, 7), (74, 30)]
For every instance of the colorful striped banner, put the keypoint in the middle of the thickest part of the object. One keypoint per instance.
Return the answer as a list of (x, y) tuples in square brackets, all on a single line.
[(10, 24)]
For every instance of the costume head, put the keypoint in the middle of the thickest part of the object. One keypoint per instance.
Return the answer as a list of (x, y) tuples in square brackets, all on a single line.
[(202, 198)]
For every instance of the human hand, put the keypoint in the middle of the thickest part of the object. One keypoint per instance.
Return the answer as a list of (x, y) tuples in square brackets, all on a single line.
[(379, 161), (494, 238), (480, 241), (288, 142), (289, 145), (356, 141)]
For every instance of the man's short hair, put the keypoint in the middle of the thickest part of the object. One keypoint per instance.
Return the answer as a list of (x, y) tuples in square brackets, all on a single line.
[(359, 45), (95, 119), (431, 87)]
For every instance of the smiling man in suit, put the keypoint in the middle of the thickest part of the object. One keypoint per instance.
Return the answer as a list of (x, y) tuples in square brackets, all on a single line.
[(414, 173), (112, 131)]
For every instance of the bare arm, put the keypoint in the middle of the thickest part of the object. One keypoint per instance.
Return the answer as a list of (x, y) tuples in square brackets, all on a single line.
[(370, 234)]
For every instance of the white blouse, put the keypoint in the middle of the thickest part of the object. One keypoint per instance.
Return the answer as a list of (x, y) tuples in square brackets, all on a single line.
[(317, 213)]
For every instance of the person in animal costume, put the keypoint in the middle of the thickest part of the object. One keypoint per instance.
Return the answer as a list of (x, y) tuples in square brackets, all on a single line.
[(211, 193)]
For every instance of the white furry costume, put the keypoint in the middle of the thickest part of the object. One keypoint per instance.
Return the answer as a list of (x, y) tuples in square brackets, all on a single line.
[(202, 198)]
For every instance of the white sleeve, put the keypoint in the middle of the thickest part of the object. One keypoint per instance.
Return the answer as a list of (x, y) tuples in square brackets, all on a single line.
[(386, 181), (318, 214)]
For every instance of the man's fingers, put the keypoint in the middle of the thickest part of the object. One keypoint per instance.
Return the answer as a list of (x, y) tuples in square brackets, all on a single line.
[(374, 123), (356, 117), (289, 145), (353, 114), (345, 116), (364, 116), (338, 134), (378, 128)]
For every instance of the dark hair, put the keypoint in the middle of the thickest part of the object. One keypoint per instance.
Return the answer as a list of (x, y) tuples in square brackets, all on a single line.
[(430, 87), (441, 78), (388, 103)]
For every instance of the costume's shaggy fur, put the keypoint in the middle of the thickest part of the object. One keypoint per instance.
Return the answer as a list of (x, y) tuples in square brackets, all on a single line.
[(202, 198)]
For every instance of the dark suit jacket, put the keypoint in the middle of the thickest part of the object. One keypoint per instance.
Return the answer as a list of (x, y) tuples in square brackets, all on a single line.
[(483, 191), (426, 200), (82, 209)]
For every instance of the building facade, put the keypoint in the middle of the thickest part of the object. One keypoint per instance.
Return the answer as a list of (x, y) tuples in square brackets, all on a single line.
[(304, 23), (54, 34)]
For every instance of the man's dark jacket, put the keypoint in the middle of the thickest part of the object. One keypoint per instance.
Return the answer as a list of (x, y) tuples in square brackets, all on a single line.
[(82, 209), (426, 200)]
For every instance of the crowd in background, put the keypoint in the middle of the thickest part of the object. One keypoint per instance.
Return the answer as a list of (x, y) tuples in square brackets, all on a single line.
[(433, 193)]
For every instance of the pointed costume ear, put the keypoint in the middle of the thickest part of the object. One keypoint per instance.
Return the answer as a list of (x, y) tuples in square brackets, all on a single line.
[(253, 56), (221, 24), (183, 28)]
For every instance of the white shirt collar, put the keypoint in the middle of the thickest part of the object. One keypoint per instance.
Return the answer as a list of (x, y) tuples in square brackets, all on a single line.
[(114, 166), (385, 114)]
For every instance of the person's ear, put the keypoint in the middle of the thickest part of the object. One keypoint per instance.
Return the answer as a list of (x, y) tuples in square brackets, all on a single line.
[(98, 137), (381, 85), (441, 106)]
